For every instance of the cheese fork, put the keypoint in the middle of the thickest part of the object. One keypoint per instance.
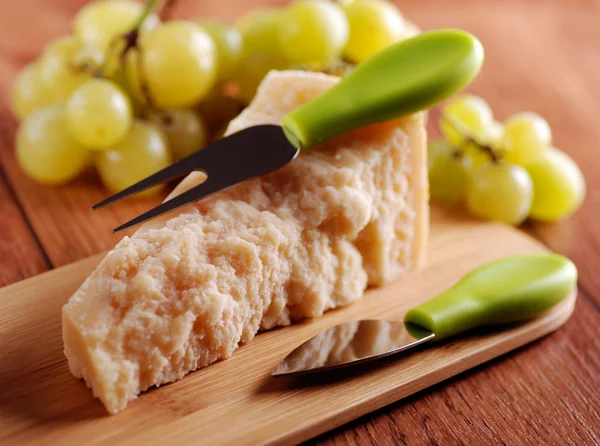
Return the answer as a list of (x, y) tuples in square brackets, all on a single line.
[(511, 289), (405, 78)]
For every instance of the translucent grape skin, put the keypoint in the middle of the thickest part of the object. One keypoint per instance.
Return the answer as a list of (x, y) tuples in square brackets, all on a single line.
[(259, 31), (466, 116), (261, 51), (525, 138), (178, 61), (143, 152), (501, 192), (229, 47), (58, 72), (494, 134), (97, 23), (313, 32), (558, 186), (448, 173), (72, 51), (184, 130), (98, 114), (45, 149), (374, 25), (252, 71), (27, 94), (127, 75), (65, 48)]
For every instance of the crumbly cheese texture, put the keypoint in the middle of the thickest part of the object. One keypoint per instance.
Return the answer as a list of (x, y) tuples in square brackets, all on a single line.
[(186, 290)]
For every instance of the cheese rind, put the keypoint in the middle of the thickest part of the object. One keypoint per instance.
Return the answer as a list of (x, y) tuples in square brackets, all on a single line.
[(187, 289)]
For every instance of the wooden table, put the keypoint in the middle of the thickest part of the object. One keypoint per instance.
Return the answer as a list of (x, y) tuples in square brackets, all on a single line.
[(542, 56)]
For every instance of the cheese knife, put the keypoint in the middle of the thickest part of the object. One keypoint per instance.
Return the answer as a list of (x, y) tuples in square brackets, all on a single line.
[(405, 78), (512, 289)]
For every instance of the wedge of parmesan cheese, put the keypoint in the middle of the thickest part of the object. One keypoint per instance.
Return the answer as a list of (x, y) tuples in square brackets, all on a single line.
[(187, 289)]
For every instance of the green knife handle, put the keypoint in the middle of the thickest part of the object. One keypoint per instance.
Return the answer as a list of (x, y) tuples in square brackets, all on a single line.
[(405, 78), (508, 290)]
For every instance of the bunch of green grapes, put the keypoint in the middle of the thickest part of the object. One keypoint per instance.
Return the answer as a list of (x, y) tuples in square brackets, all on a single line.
[(501, 171), (129, 93), (318, 35)]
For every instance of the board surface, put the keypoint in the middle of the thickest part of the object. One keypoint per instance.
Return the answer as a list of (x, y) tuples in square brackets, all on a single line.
[(237, 401)]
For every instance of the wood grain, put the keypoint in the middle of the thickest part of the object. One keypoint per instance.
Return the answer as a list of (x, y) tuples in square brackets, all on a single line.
[(44, 403), (20, 254), (541, 55)]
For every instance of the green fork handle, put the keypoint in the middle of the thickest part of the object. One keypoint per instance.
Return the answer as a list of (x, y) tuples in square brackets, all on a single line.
[(404, 78), (508, 290)]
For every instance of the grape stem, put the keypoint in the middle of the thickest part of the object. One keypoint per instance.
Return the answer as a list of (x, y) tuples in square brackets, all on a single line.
[(131, 38), (467, 139), (148, 8)]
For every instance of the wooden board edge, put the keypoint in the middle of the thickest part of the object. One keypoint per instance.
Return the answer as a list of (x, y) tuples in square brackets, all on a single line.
[(506, 342)]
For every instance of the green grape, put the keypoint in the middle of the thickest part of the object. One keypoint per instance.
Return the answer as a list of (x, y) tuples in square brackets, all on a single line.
[(467, 116), (70, 50), (448, 172), (229, 47), (64, 48), (98, 23), (58, 72), (261, 52), (114, 63), (27, 94), (45, 149), (259, 31), (501, 192), (253, 70), (143, 152), (218, 109), (374, 25), (313, 32), (526, 136), (126, 75), (494, 134), (558, 186), (184, 130), (476, 154), (98, 114), (178, 64)]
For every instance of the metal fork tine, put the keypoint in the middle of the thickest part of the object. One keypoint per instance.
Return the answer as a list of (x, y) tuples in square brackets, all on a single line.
[(219, 155), (196, 193), (246, 154), (178, 169)]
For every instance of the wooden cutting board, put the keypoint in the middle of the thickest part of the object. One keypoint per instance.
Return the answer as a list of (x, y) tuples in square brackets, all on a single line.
[(237, 401)]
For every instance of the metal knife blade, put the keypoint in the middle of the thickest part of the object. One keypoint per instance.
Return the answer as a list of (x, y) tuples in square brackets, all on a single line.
[(352, 343)]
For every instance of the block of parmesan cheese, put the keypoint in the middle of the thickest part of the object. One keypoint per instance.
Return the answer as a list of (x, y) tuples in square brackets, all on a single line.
[(187, 289)]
